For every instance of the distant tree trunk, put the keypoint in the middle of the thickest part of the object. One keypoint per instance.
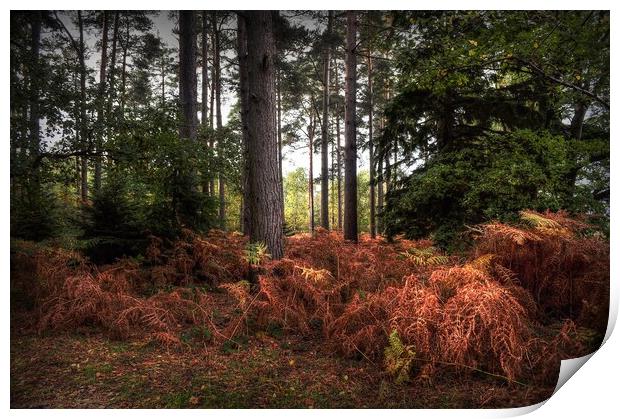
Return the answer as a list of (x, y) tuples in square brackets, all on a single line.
[(83, 127), (187, 75), (125, 47), (350, 147), (380, 198), (204, 111), (242, 51), (35, 141), (113, 63), (325, 130), (265, 192), (279, 99), (212, 100), (371, 157), (102, 91), (311, 176), (338, 151), (334, 222), (218, 115), (380, 184)]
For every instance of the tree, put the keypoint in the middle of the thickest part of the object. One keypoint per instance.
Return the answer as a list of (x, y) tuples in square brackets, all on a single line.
[(102, 91), (265, 192), (350, 147), (83, 121), (242, 52), (187, 72), (217, 81), (325, 127)]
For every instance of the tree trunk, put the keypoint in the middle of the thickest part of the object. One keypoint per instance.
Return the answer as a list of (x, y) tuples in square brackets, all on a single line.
[(371, 157), (380, 196), (242, 51), (113, 63), (311, 177), (212, 101), (279, 122), (338, 150), (265, 192), (35, 141), (102, 91), (204, 111), (83, 127), (187, 75), (125, 47), (325, 130), (218, 116), (350, 147)]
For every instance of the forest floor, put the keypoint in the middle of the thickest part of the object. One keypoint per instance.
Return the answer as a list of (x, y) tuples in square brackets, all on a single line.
[(86, 369)]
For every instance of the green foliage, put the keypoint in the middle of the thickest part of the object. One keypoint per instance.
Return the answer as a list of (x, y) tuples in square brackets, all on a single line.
[(492, 178), (425, 256), (398, 358), (256, 253), (35, 212)]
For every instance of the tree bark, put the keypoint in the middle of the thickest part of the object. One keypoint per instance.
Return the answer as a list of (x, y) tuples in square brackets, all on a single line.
[(242, 51), (350, 147), (338, 150), (83, 127), (218, 117), (125, 47), (265, 192), (102, 91), (279, 122), (35, 141), (325, 130), (187, 75), (204, 111), (311, 176), (113, 63), (371, 157)]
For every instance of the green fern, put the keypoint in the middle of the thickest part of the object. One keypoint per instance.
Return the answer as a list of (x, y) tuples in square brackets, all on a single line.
[(426, 256), (537, 220), (398, 358), (256, 253)]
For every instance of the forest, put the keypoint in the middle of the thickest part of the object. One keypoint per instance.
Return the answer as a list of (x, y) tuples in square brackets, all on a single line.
[(306, 209)]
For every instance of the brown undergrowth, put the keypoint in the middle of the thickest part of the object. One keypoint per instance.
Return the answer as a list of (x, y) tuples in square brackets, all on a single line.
[(526, 296)]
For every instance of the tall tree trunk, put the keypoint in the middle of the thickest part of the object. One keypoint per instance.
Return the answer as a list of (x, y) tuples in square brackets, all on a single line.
[(212, 103), (350, 147), (204, 110), (102, 91), (83, 127), (279, 122), (311, 176), (187, 75), (35, 141), (218, 116), (338, 150), (380, 198), (125, 47), (371, 157), (325, 130), (265, 192), (113, 63), (242, 51)]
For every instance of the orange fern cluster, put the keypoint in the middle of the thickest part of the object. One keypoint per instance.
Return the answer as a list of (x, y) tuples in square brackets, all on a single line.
[(214, 259), (522, 299), (565, 270), (72, 293)]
